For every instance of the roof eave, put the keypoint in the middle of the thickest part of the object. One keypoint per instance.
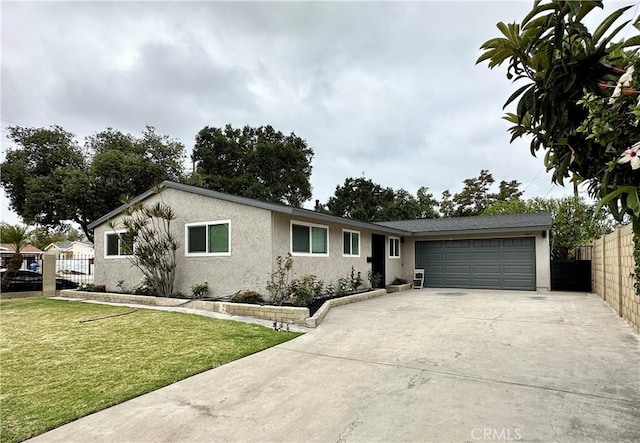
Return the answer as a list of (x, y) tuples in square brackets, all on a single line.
[(283, 209), (522, 229)]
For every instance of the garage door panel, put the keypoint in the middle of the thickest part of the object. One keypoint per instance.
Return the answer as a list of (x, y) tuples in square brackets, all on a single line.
[(457, 282), (518, 269), (457, 269), (457, 255), (486, 268), (458, 244), (487, 283), (487, 255), (517, 255), (518, 284), (483, 263), (490, 243)]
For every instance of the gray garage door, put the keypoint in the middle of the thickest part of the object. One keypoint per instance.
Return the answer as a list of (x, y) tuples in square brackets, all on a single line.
[(501, 263)]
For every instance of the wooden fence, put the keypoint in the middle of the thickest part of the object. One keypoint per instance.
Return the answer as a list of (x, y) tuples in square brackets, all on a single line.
[(613, 273)]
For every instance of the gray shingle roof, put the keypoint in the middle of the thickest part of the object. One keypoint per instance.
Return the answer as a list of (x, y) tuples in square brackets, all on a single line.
[(469, 225), (425, 227), (276, 207)]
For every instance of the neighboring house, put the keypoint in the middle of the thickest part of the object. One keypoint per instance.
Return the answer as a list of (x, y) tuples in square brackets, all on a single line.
[(232, 243), (74, 257), (30, 254), (68, 250)]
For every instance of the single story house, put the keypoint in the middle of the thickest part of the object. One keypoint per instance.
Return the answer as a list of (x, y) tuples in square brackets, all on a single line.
[(74, 257), (232, 243), (68, 250), (30, 254)]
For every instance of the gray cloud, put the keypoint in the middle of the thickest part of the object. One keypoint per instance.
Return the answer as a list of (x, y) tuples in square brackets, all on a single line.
[(390, 90)]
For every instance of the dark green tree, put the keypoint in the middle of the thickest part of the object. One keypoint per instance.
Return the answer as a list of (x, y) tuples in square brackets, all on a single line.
[(579, 102), (259, 163), (35, 170), (362, 199), (574, 222), (121, 166), (447, 208), (50, 180), (427, 204), (475, 197), (508, 191)]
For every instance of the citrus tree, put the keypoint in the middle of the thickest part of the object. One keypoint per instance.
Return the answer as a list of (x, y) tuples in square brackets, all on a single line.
[(579, 102)]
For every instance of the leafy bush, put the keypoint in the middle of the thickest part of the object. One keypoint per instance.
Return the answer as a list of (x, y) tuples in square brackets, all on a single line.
[(305, 289), (374, 279), (90, 287), (251, 297), (331, 289), (343, 286), (144, 288), (355, 279), (278, 285), (200, 291)]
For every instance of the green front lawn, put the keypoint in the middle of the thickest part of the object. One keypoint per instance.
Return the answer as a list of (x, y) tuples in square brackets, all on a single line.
[(55, 369)]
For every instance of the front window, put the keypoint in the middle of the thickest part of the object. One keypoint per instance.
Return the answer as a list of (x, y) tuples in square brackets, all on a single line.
[(117, 244), (208, 238), (309, 239), (394, 247), (351, 243)]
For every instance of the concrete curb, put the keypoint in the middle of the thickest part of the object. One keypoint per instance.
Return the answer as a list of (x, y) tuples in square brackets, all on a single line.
[(284, 314), (313, 322)]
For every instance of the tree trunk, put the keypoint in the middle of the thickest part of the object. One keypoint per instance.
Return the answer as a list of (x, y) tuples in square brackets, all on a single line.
[(14, 265)]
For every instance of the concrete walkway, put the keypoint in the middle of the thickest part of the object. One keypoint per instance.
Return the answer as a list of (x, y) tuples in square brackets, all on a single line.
[(417, 366)]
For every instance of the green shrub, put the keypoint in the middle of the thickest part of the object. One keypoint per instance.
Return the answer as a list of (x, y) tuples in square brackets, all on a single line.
[(200, 291), (278, 284), (343, 286), (144, 288), (90, 287), (306, 289), (374, 279), (355, 279), (251, 297)]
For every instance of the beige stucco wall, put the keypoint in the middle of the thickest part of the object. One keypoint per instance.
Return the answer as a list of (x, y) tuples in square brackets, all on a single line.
[(247, 268), (543, 263), (335, 265)]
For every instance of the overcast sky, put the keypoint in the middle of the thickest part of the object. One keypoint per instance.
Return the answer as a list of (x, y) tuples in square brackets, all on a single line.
[(385, 90)]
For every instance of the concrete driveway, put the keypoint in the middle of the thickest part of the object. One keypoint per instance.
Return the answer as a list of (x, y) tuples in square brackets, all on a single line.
[(418, 366)]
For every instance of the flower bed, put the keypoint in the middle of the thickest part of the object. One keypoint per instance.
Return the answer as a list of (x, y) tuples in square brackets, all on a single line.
[(284, 314)]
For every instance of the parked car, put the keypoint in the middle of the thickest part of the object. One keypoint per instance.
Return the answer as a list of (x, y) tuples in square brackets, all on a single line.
[(32, 281)]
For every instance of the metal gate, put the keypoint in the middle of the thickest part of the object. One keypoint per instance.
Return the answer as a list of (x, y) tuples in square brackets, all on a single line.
[(574, 272)]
